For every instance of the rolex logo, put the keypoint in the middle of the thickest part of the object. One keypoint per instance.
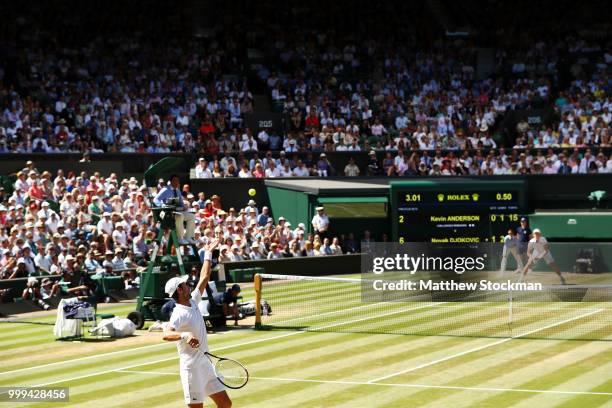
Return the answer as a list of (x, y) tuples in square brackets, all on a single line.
[(440, 197), (475, 197)]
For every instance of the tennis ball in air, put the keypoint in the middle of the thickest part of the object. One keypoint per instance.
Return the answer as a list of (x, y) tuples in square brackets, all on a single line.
[(252, 192)]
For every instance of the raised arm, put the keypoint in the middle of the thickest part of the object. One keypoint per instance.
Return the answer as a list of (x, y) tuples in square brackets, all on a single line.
[(206, 266)]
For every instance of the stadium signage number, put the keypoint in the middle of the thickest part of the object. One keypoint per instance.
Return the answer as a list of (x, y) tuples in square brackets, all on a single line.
[(266, 124)]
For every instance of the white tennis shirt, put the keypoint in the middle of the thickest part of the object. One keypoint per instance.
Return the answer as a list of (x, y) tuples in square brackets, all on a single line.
[(538, 246), (189, 319)]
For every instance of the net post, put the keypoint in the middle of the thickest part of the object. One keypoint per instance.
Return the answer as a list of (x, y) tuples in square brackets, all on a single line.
[(257, 286)]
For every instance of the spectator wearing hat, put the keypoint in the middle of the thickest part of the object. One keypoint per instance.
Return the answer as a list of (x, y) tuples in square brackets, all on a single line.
[(19, 271), (117, 261), (52, 223), (44, 211), (105, 225), (235, 254), (252, 205), (91, 264), (120, 236), (49, 289), (26, 255), (250, 216), (275, 251), (223, 254), (255, 253), (324, 167), (374, 168)]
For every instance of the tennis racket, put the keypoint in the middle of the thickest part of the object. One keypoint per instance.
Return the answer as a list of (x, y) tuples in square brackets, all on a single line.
[(230, 372)]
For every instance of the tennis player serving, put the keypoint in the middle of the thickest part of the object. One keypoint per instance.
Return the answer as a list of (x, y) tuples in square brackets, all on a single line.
[(187, 327), (537, 249)]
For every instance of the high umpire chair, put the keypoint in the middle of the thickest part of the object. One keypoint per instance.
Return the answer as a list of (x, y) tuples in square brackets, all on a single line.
[(169, 257)]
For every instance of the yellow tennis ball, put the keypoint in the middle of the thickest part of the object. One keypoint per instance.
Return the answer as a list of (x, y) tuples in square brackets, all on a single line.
[(252, 192)]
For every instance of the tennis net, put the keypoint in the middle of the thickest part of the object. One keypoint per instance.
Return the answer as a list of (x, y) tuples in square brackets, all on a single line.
[(336, 304)]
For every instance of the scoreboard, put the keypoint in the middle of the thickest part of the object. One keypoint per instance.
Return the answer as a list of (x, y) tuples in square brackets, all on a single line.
[(455, 211)]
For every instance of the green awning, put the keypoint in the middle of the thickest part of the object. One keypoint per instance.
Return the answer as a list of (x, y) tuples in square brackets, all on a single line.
[(337, 200), (593, 225)]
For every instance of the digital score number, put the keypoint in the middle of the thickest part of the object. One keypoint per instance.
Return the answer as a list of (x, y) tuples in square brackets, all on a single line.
[(456, 216), (503, 196), (413, 198)]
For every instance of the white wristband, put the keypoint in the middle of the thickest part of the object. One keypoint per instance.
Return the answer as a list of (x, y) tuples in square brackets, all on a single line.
[(208, 256), (185, 335)]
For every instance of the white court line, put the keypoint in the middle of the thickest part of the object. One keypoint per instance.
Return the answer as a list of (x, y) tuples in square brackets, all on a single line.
[(445, 387), (231, 346), (463, 353)]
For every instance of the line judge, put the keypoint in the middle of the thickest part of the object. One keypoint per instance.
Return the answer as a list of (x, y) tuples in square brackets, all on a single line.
[(320, 223)]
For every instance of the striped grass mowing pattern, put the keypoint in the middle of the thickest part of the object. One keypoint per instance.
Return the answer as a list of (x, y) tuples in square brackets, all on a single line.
[(325, 304), (349, 363)]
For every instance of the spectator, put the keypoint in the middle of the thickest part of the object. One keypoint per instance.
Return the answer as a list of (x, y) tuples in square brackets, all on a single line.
[(32, 293), (351, 169)]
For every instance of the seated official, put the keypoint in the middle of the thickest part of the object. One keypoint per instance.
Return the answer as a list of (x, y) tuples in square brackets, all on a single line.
[(171, 194)]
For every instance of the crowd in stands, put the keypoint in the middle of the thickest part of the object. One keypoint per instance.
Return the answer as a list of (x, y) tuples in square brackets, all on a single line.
[(396, 163), (377, 89), (77, 225)]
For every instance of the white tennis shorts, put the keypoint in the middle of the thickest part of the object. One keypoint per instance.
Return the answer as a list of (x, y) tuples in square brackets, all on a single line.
[(199, 381), (547, 257)]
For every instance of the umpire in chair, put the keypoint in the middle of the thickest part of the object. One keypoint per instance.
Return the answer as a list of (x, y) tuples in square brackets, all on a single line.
[(171, 196)]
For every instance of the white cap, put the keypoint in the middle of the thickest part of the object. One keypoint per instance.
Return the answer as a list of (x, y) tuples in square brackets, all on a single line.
[(301, 225), (537, 231), (174, 283), (32, 279), (21, 261)]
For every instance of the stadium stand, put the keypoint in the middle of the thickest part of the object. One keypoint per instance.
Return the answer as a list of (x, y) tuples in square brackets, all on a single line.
[(400, 99)]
